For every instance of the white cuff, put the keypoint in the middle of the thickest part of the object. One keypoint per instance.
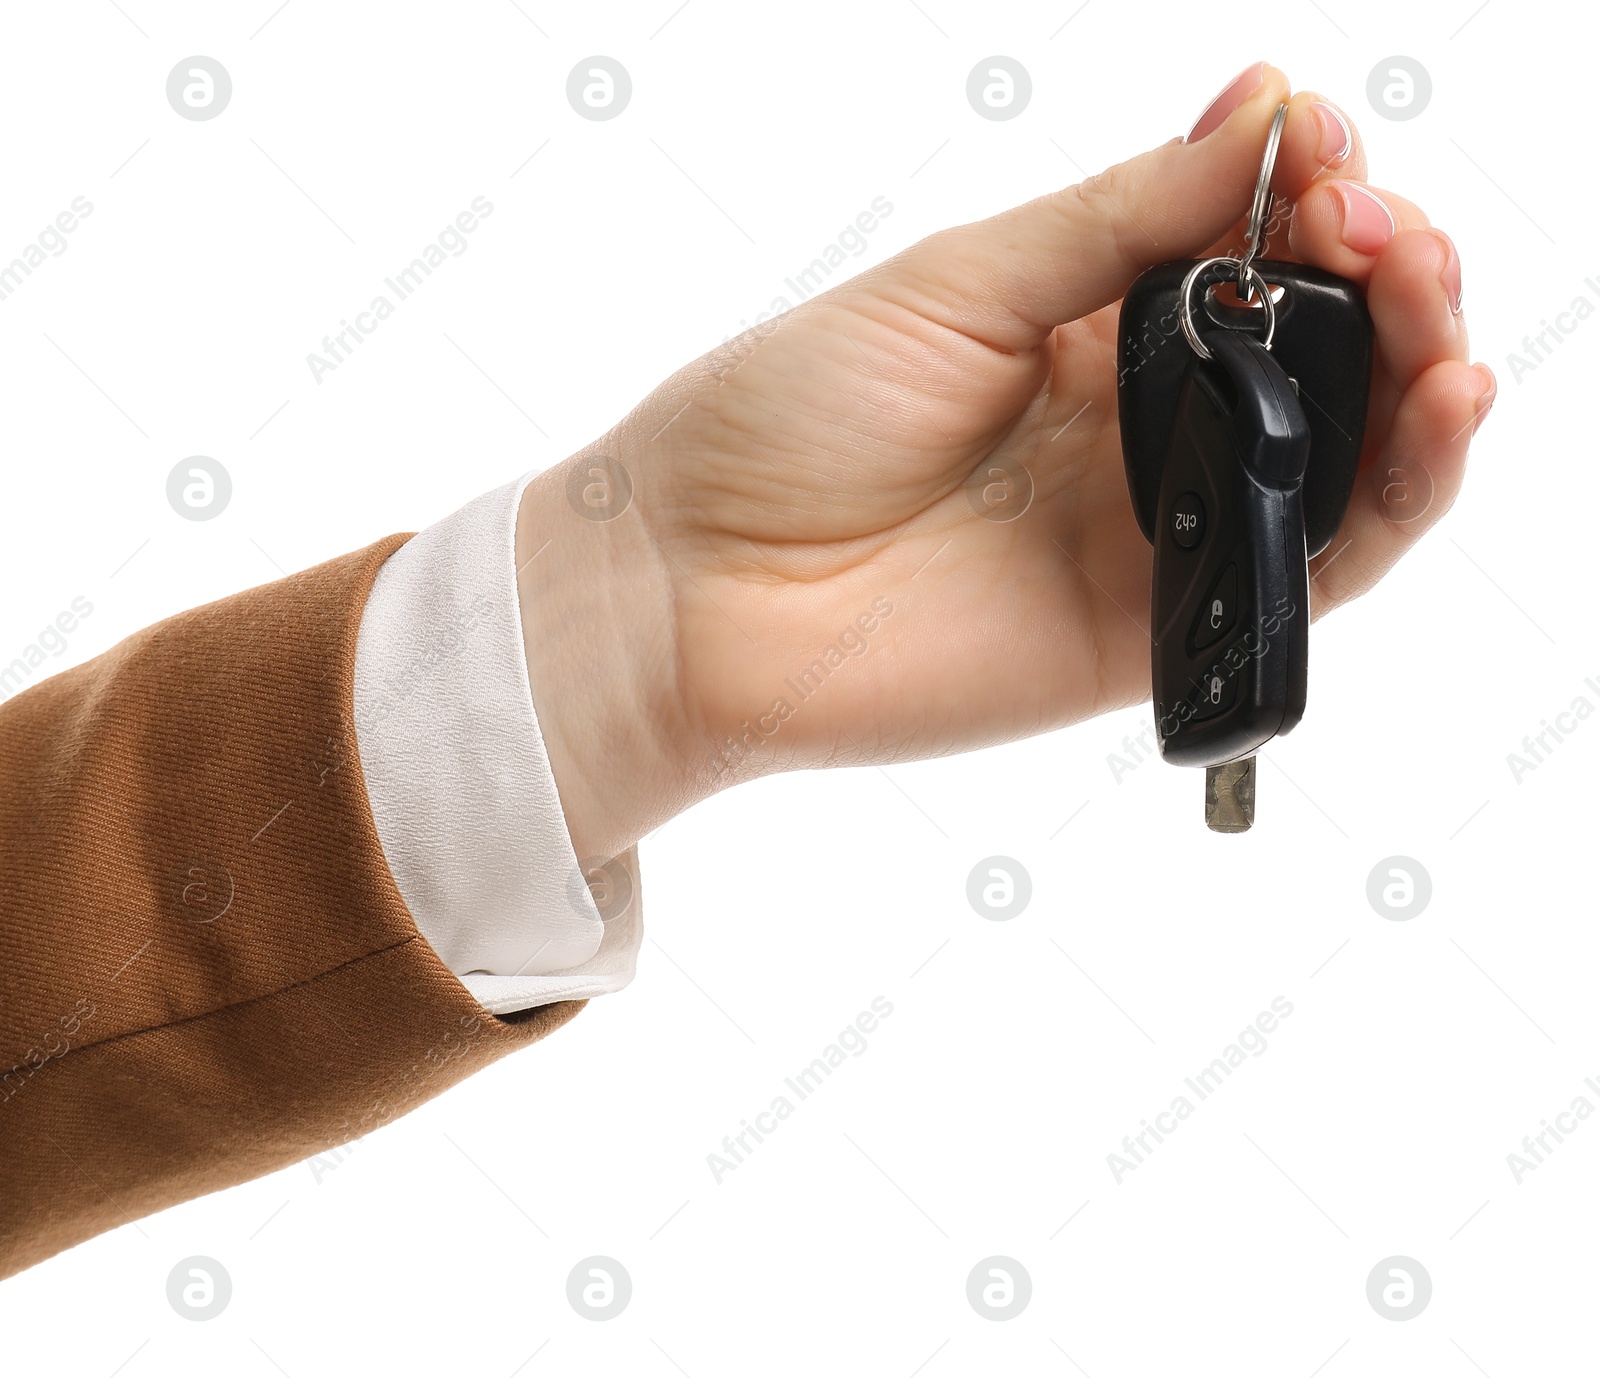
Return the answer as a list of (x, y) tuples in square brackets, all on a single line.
[(460, 787)]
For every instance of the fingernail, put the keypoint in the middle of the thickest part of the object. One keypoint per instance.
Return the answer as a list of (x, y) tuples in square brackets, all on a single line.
[(1450, 274), (1367, 226), (1337, 140), (1485, 398), (1233, 95)]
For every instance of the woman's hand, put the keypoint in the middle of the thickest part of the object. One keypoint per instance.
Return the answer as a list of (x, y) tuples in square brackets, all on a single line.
[(828, 552)]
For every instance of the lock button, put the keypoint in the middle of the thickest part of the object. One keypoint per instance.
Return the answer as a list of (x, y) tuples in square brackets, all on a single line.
[(1215, 693), (1218, 611)]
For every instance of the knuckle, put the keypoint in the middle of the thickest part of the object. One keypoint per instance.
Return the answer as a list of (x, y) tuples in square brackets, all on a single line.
[(1099, 204)]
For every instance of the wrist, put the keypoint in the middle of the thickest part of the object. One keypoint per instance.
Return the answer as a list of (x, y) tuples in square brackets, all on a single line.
[(601, 646)]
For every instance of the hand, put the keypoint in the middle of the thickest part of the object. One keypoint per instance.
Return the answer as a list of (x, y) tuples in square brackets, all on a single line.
[(801, 577)]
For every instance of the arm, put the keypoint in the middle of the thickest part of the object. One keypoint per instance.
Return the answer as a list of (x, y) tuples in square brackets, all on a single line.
[(208, 970)]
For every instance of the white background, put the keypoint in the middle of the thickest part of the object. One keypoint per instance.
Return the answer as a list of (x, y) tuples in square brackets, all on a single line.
[(1018, 1055)]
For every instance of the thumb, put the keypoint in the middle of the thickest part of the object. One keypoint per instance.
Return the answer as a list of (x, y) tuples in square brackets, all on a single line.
[(1009, 280)]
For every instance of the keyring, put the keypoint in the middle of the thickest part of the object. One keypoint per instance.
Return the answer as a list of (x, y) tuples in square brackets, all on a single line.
[(1262, 202), (1247, 273)]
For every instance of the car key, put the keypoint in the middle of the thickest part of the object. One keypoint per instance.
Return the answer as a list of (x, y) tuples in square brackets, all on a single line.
[(1316, 329), (1229, 591)]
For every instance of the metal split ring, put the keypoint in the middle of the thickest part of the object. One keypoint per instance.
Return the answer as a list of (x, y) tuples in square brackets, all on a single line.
[(1262, 201), (1248, 274), (1249, 277)]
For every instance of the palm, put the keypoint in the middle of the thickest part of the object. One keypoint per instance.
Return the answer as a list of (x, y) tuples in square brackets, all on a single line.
[(832, 468)]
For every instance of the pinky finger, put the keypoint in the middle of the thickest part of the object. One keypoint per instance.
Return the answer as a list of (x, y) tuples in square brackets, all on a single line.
[(1412, 483)]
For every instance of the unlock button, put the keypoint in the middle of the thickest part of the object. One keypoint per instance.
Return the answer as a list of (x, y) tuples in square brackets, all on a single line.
[(1218, 610)]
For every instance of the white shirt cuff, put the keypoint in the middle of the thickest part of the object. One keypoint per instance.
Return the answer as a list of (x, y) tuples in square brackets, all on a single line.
[(457, 776)]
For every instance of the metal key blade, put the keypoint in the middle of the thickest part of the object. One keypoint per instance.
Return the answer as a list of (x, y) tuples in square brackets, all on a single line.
[(1231, 796)]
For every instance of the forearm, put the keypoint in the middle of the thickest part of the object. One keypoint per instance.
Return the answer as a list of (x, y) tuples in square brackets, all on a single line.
[(208, 970)]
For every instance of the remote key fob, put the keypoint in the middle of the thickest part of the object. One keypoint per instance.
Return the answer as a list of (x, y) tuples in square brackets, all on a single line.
[(1230, 611), (1240, 454)]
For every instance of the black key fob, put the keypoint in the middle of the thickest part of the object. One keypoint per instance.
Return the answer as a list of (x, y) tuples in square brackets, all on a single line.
[(1229, 594), (1242, 387)]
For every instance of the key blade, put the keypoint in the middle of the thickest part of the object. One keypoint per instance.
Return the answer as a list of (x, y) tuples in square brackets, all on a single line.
[(1231, 796)]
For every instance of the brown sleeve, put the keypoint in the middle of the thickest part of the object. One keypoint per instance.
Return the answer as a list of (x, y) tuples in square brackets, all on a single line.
[(206, 971)]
